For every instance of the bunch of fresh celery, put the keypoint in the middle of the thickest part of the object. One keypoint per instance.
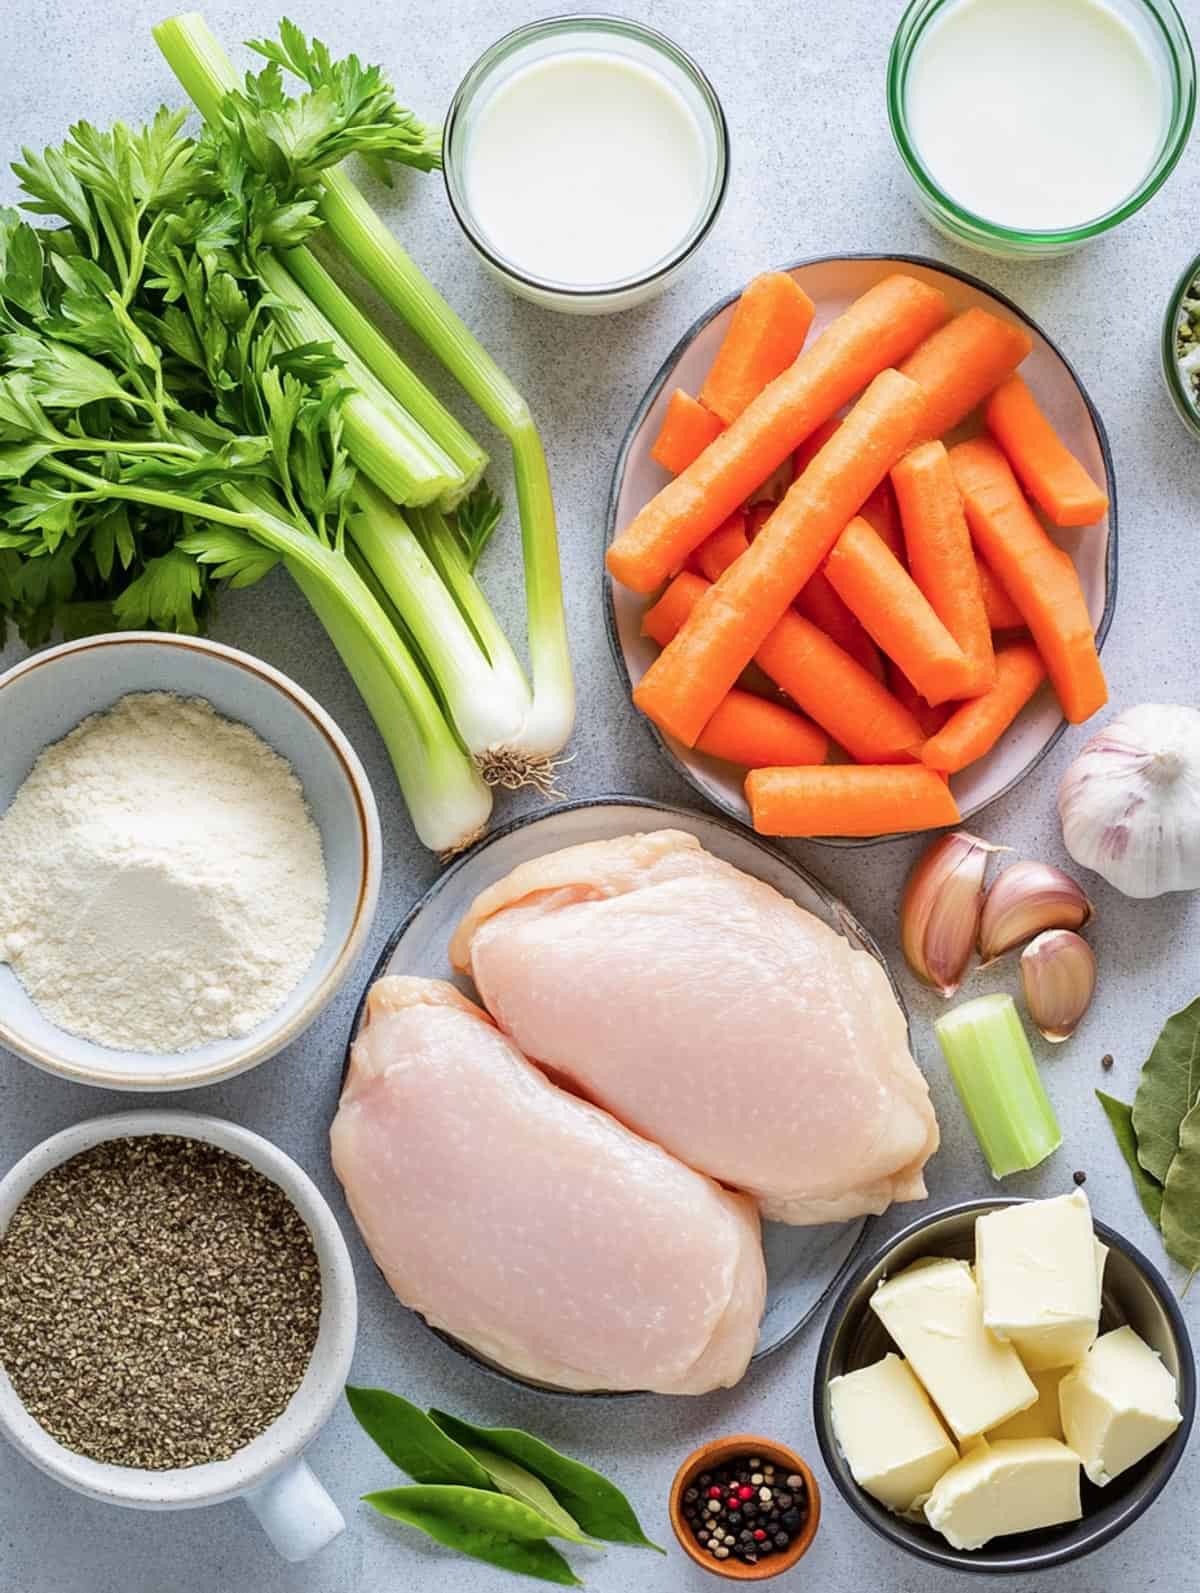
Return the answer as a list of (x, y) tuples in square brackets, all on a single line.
[(186, 395)]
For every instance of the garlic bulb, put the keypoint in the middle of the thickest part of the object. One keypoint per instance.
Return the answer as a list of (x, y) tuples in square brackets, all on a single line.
[(1130, 802)]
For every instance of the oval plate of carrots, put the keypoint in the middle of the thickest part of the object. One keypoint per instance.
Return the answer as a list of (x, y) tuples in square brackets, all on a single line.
[(862, 549)]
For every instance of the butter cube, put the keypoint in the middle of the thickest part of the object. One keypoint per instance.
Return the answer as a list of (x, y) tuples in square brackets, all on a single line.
[(933, 1312), (890, 1434), (1013, 1485), (1038, 1275), (1042, 1418), (1117, 1405)]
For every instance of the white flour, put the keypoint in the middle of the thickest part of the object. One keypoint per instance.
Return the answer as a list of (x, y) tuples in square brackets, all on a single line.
[(162, 882)]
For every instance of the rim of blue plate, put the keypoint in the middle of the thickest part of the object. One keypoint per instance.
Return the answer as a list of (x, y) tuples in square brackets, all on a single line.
[(850, 926), (659, 380), (894, 1529)]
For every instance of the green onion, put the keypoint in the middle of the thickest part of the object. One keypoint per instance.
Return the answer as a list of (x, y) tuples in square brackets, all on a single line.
[(207, 75), (997, 1081)]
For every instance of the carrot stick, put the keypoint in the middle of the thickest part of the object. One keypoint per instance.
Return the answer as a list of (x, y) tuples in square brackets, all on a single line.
[(818, 602), (681, 689), (685, 433), (831, 687), (929, 718), (757, 515), (975, 727), (727, 543), (842, 800), (1003, 614), (878, 329), (812, 445), (766, 332), (959, 365), (882, 515), (757, 733), (897, 616), (940, 557), (1037, 575), (1044, 465)]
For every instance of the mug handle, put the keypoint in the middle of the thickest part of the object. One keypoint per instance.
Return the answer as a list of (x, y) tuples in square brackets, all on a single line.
[(295, 1512)]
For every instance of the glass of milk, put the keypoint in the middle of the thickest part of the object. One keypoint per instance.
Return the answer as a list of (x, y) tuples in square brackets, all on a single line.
[(1029, 127), (586, 159)]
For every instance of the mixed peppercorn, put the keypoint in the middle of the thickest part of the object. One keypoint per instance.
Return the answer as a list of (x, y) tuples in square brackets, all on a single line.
[(744, 1511)]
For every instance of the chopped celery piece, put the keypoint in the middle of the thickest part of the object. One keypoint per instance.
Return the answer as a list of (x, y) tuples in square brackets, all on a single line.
[(988, 1055)]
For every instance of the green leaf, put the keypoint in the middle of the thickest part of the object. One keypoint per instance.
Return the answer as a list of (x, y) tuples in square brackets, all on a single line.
[(1149, 1190), (475, 521), (164, 596), (232, 555), (599, 1506), (518, 1483), (412, 1441), (1181, 1196), (54, 190), (486, 1526), (1168, 1089)]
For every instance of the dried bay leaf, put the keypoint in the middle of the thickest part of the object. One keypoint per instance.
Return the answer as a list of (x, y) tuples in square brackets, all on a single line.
[(1168, 1090), (1149, 1190), (1181, 1196)]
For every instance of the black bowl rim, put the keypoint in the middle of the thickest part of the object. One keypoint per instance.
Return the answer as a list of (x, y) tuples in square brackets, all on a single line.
[(658, 381), (893, 1530), (651, 804)]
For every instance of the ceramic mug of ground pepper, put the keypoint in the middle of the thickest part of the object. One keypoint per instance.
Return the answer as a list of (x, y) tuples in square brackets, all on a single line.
[(230, 1246)]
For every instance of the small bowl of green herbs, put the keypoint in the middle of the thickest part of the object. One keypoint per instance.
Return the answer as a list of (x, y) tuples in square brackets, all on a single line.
[(1181, 347)]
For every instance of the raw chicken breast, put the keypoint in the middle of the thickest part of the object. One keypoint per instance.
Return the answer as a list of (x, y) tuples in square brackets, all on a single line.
[(530, 1224), (712, 1015)]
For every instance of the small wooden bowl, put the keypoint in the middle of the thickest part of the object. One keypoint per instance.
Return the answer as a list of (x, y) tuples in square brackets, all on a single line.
[(707, 1458)]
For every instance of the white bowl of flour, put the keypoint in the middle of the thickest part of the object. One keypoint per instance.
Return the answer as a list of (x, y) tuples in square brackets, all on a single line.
[(189, 860)]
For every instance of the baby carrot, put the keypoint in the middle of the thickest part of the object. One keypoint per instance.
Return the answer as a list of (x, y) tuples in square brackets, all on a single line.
[(841, 799), (818, 602), (960, 365), (1036, 574), (1003, 614), (858, 712), (727, 543), (766, 331), (975, 727), (685, 433), (681, 689), (756, 733), (1044, 465), (940, 557), (812, 445), (929, 718), (897, 616), (878, 329), (882, 515)]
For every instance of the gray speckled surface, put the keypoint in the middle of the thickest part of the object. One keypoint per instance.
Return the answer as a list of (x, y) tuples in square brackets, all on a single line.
[(814, 172)]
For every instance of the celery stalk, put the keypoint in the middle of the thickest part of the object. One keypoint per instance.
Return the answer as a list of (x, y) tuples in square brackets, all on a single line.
[(486, 707), (374, 350), (381, 437), (207, 75), (988, 1055)]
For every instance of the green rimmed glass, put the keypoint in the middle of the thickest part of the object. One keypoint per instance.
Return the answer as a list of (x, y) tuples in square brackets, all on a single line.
[(1157, 19), (1186, 401)]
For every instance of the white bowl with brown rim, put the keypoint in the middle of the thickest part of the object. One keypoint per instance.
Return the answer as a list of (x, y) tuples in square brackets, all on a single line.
[(269, 1473), (48, 694)]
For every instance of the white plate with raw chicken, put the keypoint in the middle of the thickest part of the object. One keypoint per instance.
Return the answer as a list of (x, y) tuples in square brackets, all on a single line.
[(719, 1045), (832, 282)]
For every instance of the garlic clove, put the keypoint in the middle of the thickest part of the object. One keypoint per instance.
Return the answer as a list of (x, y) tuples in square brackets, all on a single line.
[(939, 915), (1058, 973), (1026, 898)]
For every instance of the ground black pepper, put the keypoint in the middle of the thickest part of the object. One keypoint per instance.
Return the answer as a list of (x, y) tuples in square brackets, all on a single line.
[(159, 1302), (744, 1510)]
